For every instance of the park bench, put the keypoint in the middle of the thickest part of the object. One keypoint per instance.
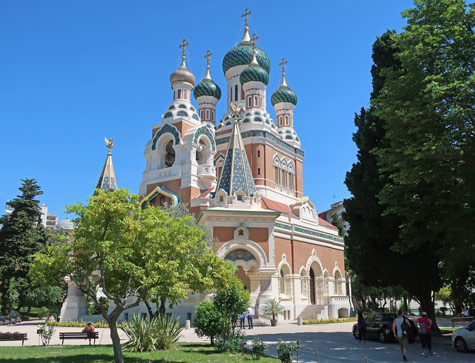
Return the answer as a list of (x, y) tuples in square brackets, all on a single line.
[(461, 319), (13, 336), (66, 336)]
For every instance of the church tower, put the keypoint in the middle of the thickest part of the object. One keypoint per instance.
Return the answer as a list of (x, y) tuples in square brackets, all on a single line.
[(179, 157)]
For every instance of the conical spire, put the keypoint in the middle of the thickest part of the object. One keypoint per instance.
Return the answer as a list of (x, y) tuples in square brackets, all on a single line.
[(107, 179), (236, 173)]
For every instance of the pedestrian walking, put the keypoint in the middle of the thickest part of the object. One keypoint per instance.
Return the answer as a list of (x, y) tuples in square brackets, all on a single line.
[(425, 334), (401, 327), (361, 327), (242, 319), (250, 314)]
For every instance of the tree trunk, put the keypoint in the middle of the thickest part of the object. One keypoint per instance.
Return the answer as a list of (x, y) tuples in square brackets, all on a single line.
[(427, 305), (163, 301), (149, 308), (118, 356)]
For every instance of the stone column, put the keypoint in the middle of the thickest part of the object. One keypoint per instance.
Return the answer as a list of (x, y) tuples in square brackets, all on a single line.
[(74, 306)]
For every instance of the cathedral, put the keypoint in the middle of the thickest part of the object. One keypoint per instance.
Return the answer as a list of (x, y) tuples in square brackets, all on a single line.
[(242, 176)]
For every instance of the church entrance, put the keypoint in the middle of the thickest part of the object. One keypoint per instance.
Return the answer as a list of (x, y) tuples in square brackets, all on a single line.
[(242, 275), (312, 287)]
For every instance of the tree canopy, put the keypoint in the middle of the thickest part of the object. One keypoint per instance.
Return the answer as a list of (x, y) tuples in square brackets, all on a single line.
[(127, 252)]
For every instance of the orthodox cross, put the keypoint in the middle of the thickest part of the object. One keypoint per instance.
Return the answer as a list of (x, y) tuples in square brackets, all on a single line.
[(282, 64), (245, 15), (207, 55), (253, 40), (183, 46)]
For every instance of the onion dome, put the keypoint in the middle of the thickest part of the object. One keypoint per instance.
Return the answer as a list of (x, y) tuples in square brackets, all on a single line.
[(65, 225), (242, 55), (283, 94), (182, 75), (207, 87), (254, 73)]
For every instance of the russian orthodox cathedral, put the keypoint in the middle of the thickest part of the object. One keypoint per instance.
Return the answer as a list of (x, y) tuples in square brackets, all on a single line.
[(242, 177)]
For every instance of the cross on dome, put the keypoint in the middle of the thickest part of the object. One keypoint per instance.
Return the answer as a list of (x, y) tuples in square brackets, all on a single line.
[(282, 64), (207, 56), (253, 40), (183, 46), (247, 12)]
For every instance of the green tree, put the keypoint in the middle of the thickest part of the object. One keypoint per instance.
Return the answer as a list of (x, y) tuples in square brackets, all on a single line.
[(372, 233), (21, 235), (338, 223), (209, 320), (127, 252), (427, 106)]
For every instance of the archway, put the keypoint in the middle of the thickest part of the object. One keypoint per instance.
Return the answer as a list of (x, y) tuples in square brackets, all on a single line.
[(169, 154), (203, 151), (338, 290), (312, 287), (242, 275)]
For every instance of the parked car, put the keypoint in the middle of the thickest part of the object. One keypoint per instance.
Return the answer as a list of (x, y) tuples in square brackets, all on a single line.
[(380, 327), (463, 339)]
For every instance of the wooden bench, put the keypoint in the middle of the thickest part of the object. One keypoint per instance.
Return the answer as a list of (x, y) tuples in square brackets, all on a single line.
[(13, 336), (66, 336)]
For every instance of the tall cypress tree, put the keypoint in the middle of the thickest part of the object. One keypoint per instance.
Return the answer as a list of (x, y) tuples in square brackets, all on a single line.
[(21, 236)]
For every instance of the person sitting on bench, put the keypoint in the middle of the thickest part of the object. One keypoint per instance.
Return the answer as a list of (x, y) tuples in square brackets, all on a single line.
[(89, 329)]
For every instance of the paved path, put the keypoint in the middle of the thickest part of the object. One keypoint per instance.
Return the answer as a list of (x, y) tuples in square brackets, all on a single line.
[(334, 342)]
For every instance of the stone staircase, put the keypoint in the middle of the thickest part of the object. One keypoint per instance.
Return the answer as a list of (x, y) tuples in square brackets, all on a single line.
[(312, 312)]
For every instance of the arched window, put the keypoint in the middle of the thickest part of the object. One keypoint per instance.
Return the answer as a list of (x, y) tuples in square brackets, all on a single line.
[(201, 114), (169, 154), (179, 93), (291, 181), (186, 94), (236, 90), (277, 173), (258, 153), (284, 179), (282, 282), (242, 94), (249, 101), (258, 171), (338, 289)]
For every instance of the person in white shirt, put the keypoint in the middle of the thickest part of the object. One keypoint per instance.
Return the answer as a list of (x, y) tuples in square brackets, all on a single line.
[(250, 314)]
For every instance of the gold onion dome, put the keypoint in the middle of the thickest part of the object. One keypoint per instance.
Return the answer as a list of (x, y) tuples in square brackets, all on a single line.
[(182, 74)]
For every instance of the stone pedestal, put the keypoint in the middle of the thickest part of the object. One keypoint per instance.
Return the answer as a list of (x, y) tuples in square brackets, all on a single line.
[(74, 306)]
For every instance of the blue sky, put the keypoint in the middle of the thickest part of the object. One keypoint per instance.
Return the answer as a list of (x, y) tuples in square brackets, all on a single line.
[(74, 72)]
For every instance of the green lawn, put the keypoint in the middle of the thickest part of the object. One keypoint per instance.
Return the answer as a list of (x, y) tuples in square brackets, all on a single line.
[(186, 352)]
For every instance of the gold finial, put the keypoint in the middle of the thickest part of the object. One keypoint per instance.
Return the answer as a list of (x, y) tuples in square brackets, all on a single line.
[(282, 64), (183, 46), (253, 40), (109, 143), (247, 12), (207, 56)]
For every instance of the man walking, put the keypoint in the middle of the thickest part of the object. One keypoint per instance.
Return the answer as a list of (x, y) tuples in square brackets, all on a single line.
[(250, 314), (401, 333)]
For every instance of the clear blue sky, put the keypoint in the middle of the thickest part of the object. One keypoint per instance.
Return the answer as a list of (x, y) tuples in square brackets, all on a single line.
[(74, 72)]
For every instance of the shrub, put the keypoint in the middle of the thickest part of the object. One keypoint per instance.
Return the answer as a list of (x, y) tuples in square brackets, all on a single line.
[(147, 335), (328, 321), (258, 348), (82, 324), (209, 321), (142, 335), (167, 332), (46, 334), (233, 343), (284, 351)]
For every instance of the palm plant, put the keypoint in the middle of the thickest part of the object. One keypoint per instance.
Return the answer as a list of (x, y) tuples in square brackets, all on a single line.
[(272, 309), (141, 333)]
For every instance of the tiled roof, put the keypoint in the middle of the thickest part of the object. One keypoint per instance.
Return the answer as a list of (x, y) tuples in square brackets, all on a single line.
[(273, 205), (323, 222), (205, 192)]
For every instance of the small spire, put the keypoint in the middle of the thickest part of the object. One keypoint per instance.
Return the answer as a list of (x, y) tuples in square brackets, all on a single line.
[(183, 46), (282, 64), (253, 41), (107, 178), (247, 12), (207, 56)]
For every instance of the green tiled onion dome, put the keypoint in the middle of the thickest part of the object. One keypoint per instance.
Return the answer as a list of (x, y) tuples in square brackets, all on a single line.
[(283, 94), (254, 73), (207, 87), (242, 55)]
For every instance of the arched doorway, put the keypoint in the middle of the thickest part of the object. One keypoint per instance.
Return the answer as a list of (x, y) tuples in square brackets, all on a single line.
[(242, 275), (312, 287)]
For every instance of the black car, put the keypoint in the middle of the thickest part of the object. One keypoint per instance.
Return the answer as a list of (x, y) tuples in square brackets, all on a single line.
[(380, 327)]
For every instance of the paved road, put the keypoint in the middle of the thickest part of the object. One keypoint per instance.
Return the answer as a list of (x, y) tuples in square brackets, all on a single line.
[(334, 342)]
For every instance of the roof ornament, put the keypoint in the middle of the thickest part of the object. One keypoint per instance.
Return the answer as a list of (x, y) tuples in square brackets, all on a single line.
[(235, 111), (253, 41), (109, 144), (183, 46), (207, 56), (247, 12), (282, 64)]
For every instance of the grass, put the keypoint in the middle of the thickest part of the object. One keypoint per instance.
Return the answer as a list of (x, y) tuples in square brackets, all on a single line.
[(185, 352)]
